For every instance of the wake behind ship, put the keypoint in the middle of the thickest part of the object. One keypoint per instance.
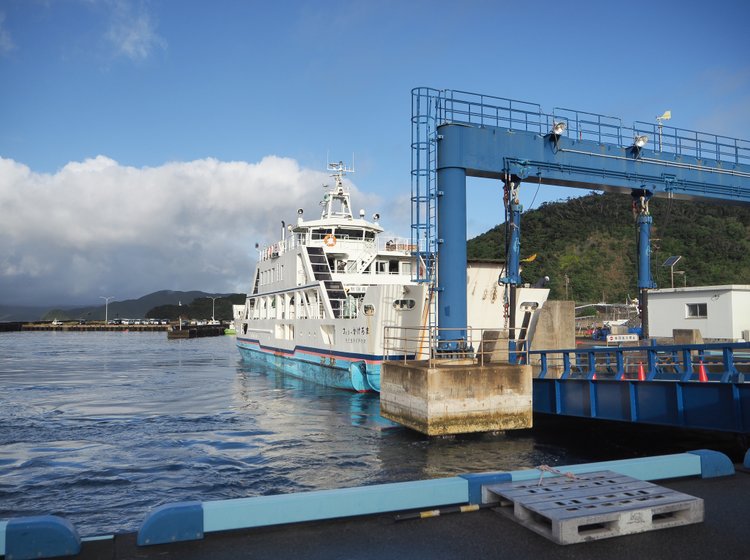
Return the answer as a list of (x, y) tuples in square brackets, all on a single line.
[(322, 295)]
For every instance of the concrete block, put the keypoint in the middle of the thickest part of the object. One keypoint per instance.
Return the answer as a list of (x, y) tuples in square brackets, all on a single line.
[(181, 521), (494, 347), (555, 330), (714, 463), (42, 536), (687, 336), (454, 398)]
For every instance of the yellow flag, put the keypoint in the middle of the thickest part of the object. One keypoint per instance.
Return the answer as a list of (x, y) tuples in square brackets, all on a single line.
[(529, 259), (666, 116)]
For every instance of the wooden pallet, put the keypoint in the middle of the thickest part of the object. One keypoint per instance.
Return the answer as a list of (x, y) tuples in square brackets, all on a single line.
[(592, 506)]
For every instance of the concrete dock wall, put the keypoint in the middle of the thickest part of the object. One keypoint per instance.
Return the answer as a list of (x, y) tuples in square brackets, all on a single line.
[(454, 398)]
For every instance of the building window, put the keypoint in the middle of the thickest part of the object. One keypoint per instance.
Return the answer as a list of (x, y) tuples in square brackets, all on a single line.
[(696, 310)]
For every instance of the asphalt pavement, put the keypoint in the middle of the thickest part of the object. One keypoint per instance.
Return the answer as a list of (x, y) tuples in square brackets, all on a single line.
[(724, 534)]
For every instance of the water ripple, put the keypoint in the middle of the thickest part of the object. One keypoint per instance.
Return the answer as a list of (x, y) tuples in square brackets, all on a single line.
[(102, 427)]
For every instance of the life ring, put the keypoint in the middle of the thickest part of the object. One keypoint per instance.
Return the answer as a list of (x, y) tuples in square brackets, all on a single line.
[(329, 240)]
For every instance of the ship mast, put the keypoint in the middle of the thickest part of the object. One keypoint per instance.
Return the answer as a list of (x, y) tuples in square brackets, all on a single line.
[(336, 201)]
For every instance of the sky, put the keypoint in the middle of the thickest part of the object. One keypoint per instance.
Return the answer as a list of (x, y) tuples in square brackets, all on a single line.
[(149, 144)]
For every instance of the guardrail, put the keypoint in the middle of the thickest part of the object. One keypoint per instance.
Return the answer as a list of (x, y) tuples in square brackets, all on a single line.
[(480, 346), (725, 362)]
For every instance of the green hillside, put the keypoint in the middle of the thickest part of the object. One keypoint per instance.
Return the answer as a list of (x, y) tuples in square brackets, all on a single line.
[(592, 240)]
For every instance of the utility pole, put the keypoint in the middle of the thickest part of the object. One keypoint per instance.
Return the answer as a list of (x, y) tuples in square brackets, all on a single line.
[(106, 307)]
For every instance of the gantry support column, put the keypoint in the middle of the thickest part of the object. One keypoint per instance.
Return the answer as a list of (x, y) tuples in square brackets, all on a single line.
[(643, 224), (451, 214), (512, 276)]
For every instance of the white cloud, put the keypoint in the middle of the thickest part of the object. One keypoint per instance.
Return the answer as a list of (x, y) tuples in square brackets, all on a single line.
[(132, 31), (6, 41), (97, 226)]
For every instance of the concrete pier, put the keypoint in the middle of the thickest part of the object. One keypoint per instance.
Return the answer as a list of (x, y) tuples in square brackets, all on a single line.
[(456, 397)]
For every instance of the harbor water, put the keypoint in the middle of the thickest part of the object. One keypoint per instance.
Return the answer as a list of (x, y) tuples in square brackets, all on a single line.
[(102, 427)]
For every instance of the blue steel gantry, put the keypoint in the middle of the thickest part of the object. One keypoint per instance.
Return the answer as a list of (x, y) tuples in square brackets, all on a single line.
[(456, 134)]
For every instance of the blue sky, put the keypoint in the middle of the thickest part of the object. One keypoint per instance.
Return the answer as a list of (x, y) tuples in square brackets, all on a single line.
[(149, 144)]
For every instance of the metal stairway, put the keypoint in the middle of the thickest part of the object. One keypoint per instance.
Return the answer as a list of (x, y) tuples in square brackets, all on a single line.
[(322, 272), (365, 259)]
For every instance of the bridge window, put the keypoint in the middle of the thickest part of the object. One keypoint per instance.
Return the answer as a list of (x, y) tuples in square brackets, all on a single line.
[(696, 310)]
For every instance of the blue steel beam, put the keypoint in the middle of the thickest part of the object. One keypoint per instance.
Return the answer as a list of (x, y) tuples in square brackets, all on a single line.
[(495, 152)]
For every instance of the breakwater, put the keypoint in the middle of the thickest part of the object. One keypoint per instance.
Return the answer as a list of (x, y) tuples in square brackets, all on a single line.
[(195, 331), (90, 327)]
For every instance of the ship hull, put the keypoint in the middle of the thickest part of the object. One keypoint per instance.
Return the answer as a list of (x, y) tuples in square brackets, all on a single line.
[(352, 372)]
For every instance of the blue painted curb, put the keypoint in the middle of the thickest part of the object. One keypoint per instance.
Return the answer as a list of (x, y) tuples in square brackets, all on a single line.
[(43, 536), (181, 521), (190, 520), (476, 481), (714, 464)]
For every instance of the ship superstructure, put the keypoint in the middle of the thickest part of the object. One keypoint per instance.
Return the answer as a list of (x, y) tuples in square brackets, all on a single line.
[(322, 295)]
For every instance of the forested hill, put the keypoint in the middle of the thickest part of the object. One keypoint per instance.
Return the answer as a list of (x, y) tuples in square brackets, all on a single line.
[(592, 239)]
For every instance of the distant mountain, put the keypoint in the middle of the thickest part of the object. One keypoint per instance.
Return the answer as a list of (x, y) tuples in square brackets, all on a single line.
[(9, 313), (591, 240), (130, 309)]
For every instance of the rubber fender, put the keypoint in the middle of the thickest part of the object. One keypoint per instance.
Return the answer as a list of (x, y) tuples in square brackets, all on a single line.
[(358, 376)]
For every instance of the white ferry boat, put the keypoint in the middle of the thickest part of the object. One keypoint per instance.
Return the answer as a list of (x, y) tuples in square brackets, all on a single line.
[(322, 295)]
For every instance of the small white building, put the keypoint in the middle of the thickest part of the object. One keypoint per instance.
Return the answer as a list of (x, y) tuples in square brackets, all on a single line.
[(719, 312)]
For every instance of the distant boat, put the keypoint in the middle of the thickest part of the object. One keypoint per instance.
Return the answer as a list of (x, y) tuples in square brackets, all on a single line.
[(322, 295)]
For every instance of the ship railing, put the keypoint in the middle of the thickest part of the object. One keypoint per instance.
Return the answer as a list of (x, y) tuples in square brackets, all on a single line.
[(396, 244), (479, 347), (727, 362), (275, 250)]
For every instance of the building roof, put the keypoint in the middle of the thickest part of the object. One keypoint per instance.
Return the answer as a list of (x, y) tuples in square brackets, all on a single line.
[(723, 288)]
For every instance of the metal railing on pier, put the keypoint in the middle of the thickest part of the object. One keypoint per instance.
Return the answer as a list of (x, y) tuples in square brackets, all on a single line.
[(482, 347), (725, 362)]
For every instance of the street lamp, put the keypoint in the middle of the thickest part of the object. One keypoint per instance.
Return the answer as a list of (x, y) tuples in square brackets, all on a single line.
[(106, 307), (213, 303)]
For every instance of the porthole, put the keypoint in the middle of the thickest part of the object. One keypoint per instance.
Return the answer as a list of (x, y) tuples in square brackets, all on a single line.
[(404, 304)]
